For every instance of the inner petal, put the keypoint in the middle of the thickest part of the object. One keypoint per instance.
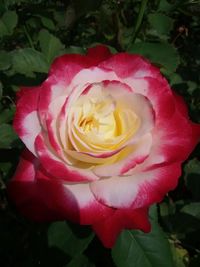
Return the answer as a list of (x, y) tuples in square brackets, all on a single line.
[(105, 123), (98, 121)]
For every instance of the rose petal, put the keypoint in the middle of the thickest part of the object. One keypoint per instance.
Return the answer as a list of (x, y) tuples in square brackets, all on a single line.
[(57, 168), (26, 122), (122, 192), (135, 154), (127, 65), (98, 54), (108, 229), (62, 72), (158, 92), (43, 199)]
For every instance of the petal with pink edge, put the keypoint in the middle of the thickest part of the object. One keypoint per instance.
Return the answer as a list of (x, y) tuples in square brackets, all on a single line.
[(62, 72), (26, 122), (127, 65), (122, 192), (158, 92), (139, 152), (57, 168), (109, 229), (44, 199)]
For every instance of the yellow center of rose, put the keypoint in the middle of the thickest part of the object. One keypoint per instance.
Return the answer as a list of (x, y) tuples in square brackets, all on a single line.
[(100, 123)]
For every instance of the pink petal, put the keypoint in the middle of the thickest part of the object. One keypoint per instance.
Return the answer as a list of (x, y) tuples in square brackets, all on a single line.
[(98, 53), (52, 121), (127, 65), (43, 199), (170, 144), (26, 122), (161, 180), (125, 191), (109, 229), (181, 105)]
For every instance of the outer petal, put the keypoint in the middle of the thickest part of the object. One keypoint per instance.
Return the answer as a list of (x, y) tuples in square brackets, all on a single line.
[(170, 144), (26, 122), (182, 108), (160, 181), (71, 63), (98, 54), (127, 65), (181, 105), (110, 228), (44, 199), (125, 191)]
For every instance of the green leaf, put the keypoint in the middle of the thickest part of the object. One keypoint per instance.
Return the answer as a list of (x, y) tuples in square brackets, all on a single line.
[(138, 249), (50, 45), (75, 50), (6, 115), (161, 54), (26, 61), (8, 22), (165, 6), (61, 235), (192, 209), (80, 261), (48, 23), (161, 23), (7, 136), (5, 60), (59, 17)]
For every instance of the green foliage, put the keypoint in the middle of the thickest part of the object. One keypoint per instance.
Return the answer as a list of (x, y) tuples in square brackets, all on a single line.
[(163, 55), (5, 60), (8, 22), (32, 34), (72, 241), (50, 45), (161, 23), (80, 261), (28, 60), (7, 136)]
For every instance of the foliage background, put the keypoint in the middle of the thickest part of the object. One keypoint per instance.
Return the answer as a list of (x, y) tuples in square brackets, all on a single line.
[(32, 34)]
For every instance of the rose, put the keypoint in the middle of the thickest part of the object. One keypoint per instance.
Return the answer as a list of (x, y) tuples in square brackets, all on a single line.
[(105, 138)]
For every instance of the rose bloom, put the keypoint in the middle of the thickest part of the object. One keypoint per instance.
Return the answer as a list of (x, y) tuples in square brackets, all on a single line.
[(105, 138)]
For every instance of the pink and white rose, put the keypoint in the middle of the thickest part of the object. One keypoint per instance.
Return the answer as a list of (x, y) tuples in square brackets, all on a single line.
[(105, 138)]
